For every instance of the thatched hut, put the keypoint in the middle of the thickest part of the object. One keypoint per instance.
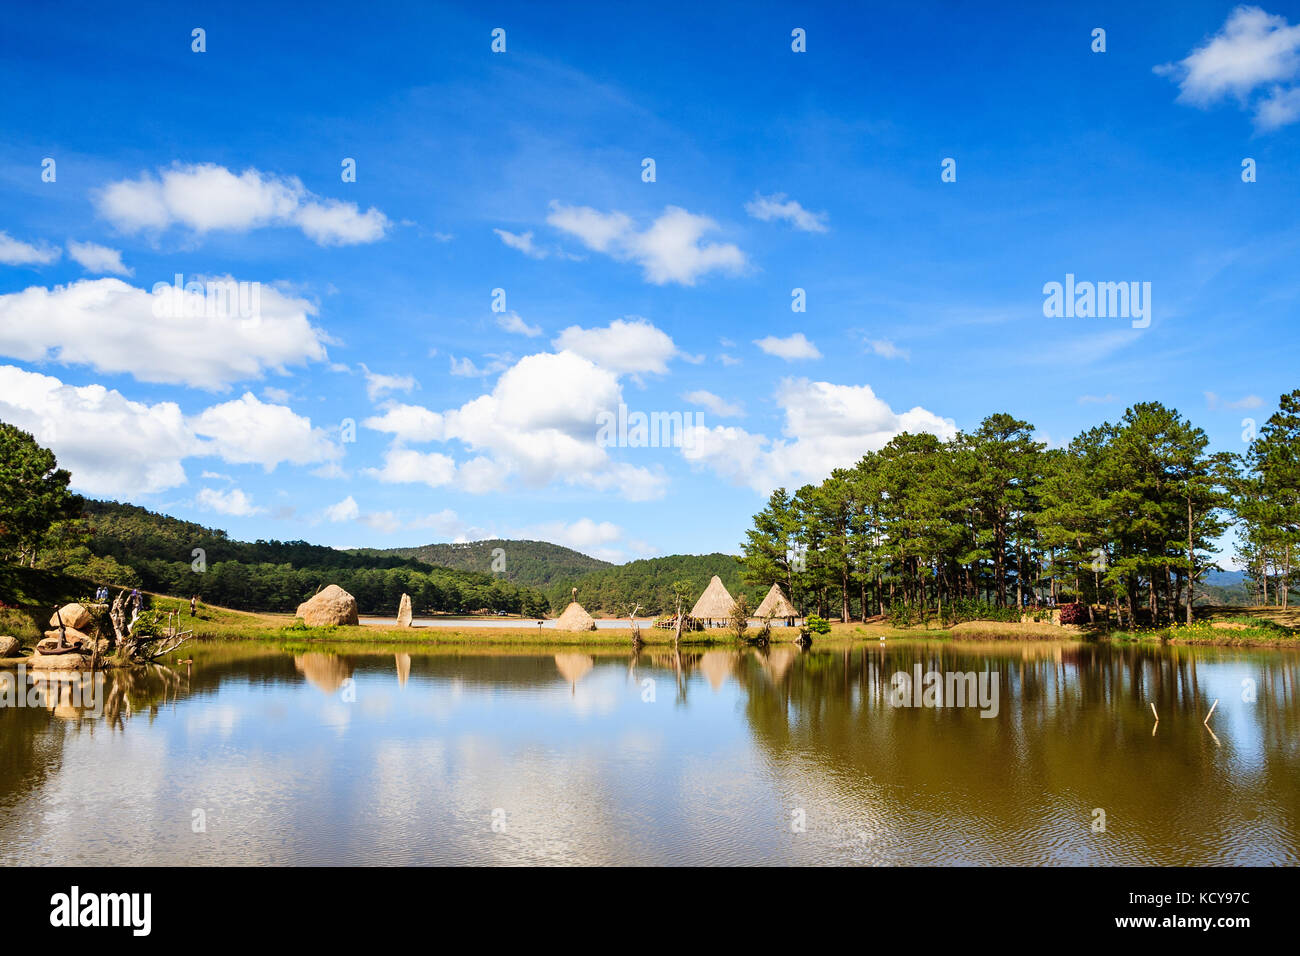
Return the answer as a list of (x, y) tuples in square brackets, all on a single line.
[(575, 618), (714, 605), (776, 606)]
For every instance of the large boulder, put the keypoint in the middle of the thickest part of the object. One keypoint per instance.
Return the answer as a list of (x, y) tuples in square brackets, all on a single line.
[(404, 611), (8, 646), (332, 605), (74, 615)]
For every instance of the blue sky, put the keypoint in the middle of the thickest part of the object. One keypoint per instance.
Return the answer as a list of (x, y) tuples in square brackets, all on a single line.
[(522, 171)]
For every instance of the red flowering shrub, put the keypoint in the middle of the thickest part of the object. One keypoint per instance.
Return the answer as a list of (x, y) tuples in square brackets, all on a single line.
[(1074, 613)]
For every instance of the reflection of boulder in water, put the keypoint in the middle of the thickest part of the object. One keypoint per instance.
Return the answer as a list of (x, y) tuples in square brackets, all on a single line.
[(717, 667), (403, 668), (326, 671), (574, 667)]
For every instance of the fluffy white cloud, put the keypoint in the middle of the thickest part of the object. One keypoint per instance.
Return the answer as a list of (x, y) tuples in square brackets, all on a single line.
[(345, 510), (511, 322), (14, 252), (668, 250), (201, 339), (1253, 49), (407, 466), (112, 446), (777, 206), (247, 431), (538, 423), (207, 197), (232, 501), (634, 346), (826, 426), (412, 423), (96, 258), (714, 403), (790, 348)]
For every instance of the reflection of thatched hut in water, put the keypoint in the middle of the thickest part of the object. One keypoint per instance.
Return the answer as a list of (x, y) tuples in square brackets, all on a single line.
[(574, 667), (777, 661), (326, 671), (715, 604), (575, 618), (777, 606), (717, 667)]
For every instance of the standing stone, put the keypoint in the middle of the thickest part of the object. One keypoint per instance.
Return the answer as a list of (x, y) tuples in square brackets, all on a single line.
[(404, 611)]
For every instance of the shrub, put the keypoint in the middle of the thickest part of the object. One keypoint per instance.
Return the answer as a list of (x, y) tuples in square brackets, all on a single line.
[(818, 625), (1074, 613)]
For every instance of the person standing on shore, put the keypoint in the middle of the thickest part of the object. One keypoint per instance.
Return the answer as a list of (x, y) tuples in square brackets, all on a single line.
[(194, 603)]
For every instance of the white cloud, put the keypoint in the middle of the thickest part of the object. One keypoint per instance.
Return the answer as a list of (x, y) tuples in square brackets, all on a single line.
[(523, 242), (634, 346), (511, 322), (232, 501), (826, 426), (590, 537), (377, 385), (1253, 49), (777, 206), (790, 348), (112, 327), (1213, 401), (249, 431), (345, 510), (668, 250), (407, 466), (887, 349), (14, 252), (112, 446), (96, 258), (408, 423), (207, 197), (714, 403), (538, 423)]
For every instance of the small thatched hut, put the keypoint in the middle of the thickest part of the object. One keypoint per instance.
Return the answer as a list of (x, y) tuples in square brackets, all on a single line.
[(714, 605), (776, 605), (575, 618)]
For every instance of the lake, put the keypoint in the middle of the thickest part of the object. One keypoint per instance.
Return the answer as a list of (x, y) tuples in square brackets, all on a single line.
[(467, 755)]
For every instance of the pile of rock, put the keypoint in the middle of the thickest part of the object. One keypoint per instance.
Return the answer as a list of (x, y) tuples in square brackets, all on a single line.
[(77, 622)]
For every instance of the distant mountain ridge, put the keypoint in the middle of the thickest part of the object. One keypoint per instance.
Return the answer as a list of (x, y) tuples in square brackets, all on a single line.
[(538, 564)]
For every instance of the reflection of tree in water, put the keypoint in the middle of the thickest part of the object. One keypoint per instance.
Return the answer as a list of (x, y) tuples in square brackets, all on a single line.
[(1073, 731)]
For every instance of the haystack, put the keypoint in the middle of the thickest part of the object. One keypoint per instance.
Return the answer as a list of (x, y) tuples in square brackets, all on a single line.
[(776, 605), (715, 603), (332, 605), (575, 618)]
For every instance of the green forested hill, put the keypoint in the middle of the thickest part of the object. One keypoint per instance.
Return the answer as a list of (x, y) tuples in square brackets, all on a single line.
[(650, 581), (159, 552), (531, 563)]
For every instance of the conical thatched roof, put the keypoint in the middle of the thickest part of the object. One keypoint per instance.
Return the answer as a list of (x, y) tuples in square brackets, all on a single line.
[(575, 618), (776, 604), (715, 603)]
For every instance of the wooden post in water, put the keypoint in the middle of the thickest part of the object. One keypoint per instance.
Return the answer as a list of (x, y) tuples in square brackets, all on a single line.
[(1207, 716)]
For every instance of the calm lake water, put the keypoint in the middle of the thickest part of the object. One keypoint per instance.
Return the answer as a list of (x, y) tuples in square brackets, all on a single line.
[(597, 757)]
